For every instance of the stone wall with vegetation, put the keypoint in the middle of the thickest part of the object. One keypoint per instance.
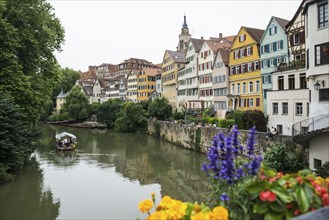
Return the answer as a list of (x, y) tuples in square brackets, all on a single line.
[(200, 138)]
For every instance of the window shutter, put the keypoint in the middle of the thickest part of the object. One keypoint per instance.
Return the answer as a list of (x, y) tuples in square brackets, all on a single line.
[(252, 66), (261, 49), (246, 68), (244, 37), (257, 101), (247, 102), (268, 63), (275, 62), (262, 64), (238, 54), (302, 37), (240, 103), (270, 78), (263, 79), (245, 52), (251, 50), (281, 44), (291, 39), (275, 30), (274, 46)]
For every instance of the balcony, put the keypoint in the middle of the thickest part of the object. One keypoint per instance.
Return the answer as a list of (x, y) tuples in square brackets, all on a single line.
[(300, 64), (305, 130)]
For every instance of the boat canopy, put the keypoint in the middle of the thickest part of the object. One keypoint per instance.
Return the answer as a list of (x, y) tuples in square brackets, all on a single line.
[(63, 135)]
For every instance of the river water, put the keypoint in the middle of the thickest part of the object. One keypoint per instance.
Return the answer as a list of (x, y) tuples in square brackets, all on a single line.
[(105, 178)]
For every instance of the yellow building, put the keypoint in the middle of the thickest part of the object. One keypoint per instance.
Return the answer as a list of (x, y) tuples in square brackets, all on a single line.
[(60, 100), (146, 83), (172, 62), (245, 74)]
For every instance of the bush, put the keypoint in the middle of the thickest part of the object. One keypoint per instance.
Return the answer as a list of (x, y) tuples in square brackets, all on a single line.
[(323, 171), (178, 115), (238, 117), (255, 118), (225, 123), (279, 158), (213, 121)]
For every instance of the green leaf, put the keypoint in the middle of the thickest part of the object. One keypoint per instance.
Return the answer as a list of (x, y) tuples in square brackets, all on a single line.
[(257, 187), (273, 216), (261, 208), (277, 206), (303, 202), (281, 192), (269, 172)]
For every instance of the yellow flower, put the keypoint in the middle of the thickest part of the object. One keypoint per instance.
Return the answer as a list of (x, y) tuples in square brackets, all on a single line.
[(177, 210), (200, 216), (157, 216), (197, 208), (145, 206), (219, 213), (165, 202)]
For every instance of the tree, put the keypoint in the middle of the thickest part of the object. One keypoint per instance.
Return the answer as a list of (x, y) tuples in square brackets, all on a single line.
[(16, 137), (160, 108), (76, 104), (108, 111), (132, 117), (30, 33)]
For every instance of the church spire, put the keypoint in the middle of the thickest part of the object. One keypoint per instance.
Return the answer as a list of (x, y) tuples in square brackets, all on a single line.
[(185, 24)]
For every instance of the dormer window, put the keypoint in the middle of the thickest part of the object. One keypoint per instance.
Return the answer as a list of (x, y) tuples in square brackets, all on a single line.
[(242, 38)]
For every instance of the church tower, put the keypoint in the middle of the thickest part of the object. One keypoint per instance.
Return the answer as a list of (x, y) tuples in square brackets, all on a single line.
[(184, 37)]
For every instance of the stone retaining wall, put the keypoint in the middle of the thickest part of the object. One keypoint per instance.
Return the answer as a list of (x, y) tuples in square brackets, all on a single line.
[(200, 138)]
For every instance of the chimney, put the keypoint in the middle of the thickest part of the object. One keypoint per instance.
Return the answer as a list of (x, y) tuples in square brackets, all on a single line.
[(220, 35), (202, 38)]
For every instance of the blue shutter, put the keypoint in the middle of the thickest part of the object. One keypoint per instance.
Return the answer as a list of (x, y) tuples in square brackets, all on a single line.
[(262, 64), (263, 79), (281, 44), (275, 29), (261, 49), (275, 61), (274, 46), (270, 78), (268, 63)]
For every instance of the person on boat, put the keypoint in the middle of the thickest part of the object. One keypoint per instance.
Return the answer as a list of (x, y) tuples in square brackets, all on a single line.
[(65, 142)]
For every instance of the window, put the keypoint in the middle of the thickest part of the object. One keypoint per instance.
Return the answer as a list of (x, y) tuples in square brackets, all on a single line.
[(256, 65), (299, 108), (308, 109), (242, 53), (251, 87), (271, 62), (249, 67), (237, 69), (238, 88), (296, 38), (291, 81), (258, 102), (285, 108), (251, 102), (317, 163), (257, 86), (279, 60), (265, 64), (272, 30), (322, 54), (324, 95), (243, 68), (242, 38), (233, 88), (236, 54), (275, 108), (302, 81), (278, 45), (280, 83), (242, 103), (249, 51), (279, 129), (271, 47), (323, 15), (244, 87)]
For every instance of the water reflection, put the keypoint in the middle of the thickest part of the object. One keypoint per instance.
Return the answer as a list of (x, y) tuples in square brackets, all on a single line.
[(25, 197), (142, 158)]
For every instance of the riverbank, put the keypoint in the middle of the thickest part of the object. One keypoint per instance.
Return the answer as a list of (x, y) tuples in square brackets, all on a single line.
[(79, 124)]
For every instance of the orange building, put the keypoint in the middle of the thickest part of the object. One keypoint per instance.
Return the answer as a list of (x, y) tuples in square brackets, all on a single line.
[(146, 83)]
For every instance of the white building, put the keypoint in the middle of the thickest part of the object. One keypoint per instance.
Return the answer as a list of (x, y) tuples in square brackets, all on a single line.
[(188, 77), (314, 132)]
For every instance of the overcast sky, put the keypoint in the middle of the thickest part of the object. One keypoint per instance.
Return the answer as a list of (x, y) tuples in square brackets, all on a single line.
[(106, 31)]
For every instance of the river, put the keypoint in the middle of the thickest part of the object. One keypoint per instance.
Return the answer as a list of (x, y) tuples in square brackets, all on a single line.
[(105, 178)]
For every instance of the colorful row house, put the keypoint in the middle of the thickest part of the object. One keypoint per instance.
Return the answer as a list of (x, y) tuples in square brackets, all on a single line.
[(146, 83), (245, 72)]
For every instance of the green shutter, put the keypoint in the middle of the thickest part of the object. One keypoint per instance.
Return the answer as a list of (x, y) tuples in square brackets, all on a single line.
[(275, 61), (275, 29), (281, 44), (274, 46)]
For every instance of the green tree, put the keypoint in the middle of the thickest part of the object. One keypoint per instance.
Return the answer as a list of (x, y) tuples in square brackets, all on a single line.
[(76, 105), (160, 108), (16, 137), (255, 118), (108, 111), (132, 118), (30, 33)]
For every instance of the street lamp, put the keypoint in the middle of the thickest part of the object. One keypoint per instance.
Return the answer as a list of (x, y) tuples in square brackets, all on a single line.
[(317, 85)]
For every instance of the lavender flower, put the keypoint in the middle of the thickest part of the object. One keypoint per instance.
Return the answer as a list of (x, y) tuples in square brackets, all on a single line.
[(224, 197), (251, 141)]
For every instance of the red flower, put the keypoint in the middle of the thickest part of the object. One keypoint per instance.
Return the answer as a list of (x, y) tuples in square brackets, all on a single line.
[(289, 206), (300, 180), (297, 212), (267, 196)]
